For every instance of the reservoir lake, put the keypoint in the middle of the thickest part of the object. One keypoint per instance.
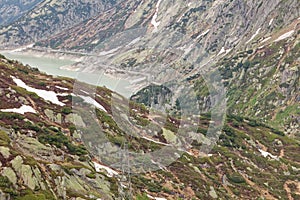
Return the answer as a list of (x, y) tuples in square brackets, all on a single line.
[(55, 67)]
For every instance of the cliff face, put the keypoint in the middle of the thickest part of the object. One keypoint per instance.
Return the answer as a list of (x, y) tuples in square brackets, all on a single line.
[(49, 17), (215, 24), (11, 10)]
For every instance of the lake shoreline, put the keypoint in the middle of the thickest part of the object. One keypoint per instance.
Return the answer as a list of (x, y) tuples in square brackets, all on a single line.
[(56, 65), (35, 52)]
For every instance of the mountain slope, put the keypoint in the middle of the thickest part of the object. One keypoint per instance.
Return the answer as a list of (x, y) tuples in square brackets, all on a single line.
[(45, 156), (11, 10), (213, 24), (261, 78), (48, 18)]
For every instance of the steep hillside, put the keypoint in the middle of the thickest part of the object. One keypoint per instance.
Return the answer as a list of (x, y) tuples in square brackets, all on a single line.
[(11, 10), (48, 18), (254, 44), (261, 78), (213, 24), (46, 152)]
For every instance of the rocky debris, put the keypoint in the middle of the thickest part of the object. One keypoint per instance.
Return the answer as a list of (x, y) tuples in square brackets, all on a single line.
[(47, 18), (26, 174), (75, 119), (57, 118), (5, 152), (10, 174), (213, 193)]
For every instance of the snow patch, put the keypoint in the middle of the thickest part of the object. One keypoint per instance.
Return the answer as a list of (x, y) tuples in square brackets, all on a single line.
[(61, 88), (155, 198), (266, 154), (266, 39), (134, 41), (84, 92), (224, 51), (180, 18), (110, 171), (203, 34), (253, 36), (92, 101), (284, 36), (157, 142), (153, 20), (271, 21), (104, 53), (22, 110), (95, 41), (47, 95)]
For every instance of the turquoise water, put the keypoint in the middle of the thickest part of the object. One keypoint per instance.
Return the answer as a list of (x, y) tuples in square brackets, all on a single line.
[(53, 66)]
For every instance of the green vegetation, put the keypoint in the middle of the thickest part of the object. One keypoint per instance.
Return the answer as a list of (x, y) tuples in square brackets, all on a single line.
[(236, 178), (11, 116), (66, 110), (4, 139), (59, 140), (142, 197)]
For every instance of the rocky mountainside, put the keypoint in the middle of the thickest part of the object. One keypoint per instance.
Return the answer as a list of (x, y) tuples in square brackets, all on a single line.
[(213, 24), (44, 152), (63, 139), (253, 44), (48, 18), (11, 10)]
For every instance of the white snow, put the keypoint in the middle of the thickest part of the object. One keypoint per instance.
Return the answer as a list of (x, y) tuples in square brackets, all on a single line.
[(203, 34), (104, 53), (253, 36), (153, 20), (62, 88), (284, 36), (266, 39), (157, 142), (85, 92), (266, 154), (271, 21), (223, 50), (95, 41), (110, 171), (155, 198), (47, 95), (134, 41), (180, 17), (22, 110), (92, 101)]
